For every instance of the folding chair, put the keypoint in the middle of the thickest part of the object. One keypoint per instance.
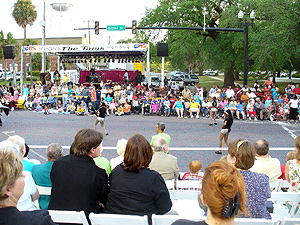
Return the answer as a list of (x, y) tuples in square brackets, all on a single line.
[(117, 219), (61, 216)]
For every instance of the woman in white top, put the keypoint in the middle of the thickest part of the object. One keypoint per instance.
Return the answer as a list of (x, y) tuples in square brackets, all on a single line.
[(121, 145)]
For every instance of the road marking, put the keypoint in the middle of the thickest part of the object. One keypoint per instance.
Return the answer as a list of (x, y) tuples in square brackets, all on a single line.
[(7, 133), (290, 132)]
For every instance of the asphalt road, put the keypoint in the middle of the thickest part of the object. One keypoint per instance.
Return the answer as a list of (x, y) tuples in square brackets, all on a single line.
[(40, 129)]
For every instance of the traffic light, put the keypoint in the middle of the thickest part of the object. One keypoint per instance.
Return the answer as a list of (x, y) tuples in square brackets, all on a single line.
[(96, 27), (133, 26)]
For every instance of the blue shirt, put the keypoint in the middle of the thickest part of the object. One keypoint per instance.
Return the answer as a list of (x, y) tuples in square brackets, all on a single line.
[(27, 165), (41, 176)]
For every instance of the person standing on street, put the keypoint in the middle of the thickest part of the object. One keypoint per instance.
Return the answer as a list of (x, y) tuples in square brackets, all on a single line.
[(226, 128), (101, 117)]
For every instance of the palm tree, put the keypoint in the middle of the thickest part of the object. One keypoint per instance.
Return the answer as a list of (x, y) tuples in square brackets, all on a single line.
[(24, 13)]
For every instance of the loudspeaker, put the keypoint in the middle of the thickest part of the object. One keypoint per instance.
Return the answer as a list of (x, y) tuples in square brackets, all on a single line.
[(162, 49), (8, 52)]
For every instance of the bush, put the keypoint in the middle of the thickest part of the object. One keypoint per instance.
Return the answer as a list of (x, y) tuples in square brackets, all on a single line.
[(36, 73), (297, 75)]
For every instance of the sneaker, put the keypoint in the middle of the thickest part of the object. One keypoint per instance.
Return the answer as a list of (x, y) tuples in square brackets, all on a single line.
[(106, 133), (215, 124), (255, 118), (197, 116), (191, 116), (210, 124), (249, 118), (218, 152)]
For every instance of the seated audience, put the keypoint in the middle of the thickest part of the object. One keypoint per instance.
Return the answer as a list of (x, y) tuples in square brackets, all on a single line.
[(162, 162), (223, 192), (292, 169), (241, 154), (41, 173), (12, 187), (121, 145), (77, 183), (134, 188), (264, 163)]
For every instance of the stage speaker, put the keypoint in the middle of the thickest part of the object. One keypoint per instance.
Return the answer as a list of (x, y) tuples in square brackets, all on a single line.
[(8, 52), (162, 49)]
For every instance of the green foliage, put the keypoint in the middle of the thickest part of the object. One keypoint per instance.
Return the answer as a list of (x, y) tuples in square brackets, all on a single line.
[(297, 75), (36, 60), (24, 13), (274, 40), (35, 73), (9, 40)]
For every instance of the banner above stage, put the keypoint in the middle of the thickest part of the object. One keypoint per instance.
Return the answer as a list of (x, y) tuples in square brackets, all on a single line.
[(85, 48)]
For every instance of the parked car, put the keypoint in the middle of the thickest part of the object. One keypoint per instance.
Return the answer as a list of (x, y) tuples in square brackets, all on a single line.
[(190, 79), (209, 72), (177, 80)]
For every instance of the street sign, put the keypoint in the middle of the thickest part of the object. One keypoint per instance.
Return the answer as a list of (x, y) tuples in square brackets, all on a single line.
[(115, 27)]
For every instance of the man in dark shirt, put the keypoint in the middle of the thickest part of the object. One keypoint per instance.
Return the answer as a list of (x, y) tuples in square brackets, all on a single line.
[(77, 183)]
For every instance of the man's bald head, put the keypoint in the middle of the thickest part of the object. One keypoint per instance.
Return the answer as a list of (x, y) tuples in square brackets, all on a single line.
[(160, 144), (261, 147)]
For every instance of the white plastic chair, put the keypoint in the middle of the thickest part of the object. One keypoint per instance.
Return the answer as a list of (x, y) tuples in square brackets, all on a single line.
[(251, 221), (44, 190), (290, 221), (169, 219), (189, 184), (61, 216), (117, 219), (275, 185), (171, 184), (281, 197), (185, 203)]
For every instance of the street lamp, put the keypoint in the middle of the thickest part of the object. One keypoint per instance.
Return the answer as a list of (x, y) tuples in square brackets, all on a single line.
[(246, 25), (204, 14)]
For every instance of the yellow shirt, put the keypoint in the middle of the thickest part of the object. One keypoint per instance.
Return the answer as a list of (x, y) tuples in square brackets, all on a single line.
[(194, 105)]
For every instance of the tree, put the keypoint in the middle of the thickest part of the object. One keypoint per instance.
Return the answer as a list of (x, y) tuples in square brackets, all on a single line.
[(8, 41), (274, 41), (24, 14), (36, 61)]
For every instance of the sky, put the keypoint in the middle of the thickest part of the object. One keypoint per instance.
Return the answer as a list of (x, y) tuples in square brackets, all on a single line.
[(62, 24)]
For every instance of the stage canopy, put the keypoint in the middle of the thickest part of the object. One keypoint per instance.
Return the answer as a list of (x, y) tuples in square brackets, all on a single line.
[(78, 53)]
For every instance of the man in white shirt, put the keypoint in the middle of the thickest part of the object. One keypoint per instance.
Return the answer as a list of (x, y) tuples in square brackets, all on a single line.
[(264, 163), (230, 93)]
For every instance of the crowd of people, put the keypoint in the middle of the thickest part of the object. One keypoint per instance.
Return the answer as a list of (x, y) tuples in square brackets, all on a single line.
[(134, 182), (258, 102)]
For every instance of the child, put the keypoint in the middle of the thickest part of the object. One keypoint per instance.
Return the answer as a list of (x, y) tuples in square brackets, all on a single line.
[(120, 111), (154, 105), (38, 107), (290, 155), (194, 174)]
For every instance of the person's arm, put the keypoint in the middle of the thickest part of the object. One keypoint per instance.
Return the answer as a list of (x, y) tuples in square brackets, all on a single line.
[(35, 196), (162, 197), (287, 170), (225, 122), (174, 105)]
